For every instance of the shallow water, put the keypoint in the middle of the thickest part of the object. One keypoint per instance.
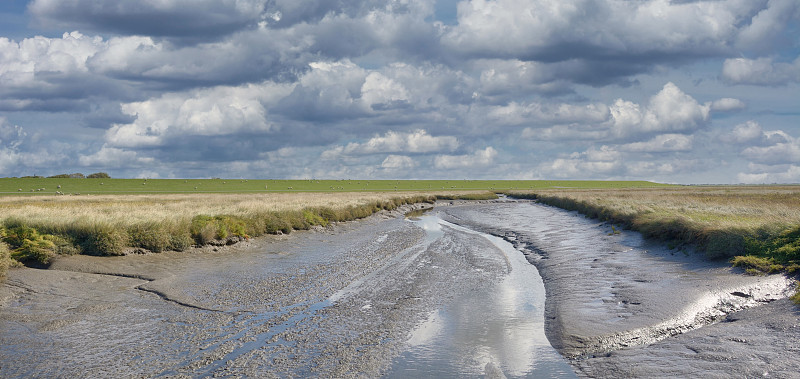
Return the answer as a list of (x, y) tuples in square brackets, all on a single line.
[(497, 329)]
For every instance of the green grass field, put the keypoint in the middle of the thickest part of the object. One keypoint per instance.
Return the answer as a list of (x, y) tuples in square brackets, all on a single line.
[(50, 186)]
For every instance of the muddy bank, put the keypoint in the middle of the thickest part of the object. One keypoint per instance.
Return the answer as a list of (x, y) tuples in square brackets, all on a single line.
[(192, 313), (335, 302), (618, 306)]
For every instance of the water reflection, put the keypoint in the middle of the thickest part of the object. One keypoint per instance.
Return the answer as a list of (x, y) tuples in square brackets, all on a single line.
[(416, 214), (497, 329)]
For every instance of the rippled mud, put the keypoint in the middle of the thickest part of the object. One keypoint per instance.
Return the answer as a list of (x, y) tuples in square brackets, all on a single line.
[(434, 296)]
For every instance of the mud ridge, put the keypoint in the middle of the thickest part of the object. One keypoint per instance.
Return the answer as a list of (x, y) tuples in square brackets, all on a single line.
[(713, 309), (166, 297)]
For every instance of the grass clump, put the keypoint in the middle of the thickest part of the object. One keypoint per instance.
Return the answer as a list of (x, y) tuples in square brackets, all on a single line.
[(314, 218), (796, 297), (28, 245), (783, 246), (757, 265), (771, 252), (63, 246), (160, 236), (205, 229), (103, 239), (6, 261)]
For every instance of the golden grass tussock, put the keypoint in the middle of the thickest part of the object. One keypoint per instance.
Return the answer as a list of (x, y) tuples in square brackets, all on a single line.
[(724, 221)]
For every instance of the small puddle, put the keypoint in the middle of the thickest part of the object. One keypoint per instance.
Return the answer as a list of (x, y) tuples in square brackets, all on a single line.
[(495, 333), (416, 214)]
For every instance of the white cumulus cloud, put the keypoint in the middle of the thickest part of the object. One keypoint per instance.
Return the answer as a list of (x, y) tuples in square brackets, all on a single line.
[(115, 157), (398, 162), (748, 131), (761, 71), (790, 175), (418, 141), (532, 113), (541, 28), (210, 112), (670, 110), (774, 155), (661, 143), (480, 158), (727, 104), (779, 153), (378, 89), (30, 62)]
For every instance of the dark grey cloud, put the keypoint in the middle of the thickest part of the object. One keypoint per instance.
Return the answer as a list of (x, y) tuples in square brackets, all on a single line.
[(195, 20), (286, 13), (244, 57), (102, 113)]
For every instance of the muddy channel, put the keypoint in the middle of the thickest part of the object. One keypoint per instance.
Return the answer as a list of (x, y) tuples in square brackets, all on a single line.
[(458, 291)]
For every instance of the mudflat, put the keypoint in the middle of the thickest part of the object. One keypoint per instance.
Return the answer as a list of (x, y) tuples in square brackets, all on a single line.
[(620, 306), (351, 300), (342, 301)]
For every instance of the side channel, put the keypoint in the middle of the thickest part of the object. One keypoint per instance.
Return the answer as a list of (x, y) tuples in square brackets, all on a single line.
[(497, 332)]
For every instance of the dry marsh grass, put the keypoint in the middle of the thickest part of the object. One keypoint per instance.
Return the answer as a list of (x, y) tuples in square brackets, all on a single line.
[(128, 210), (724, 221), (714, 207), (36, 229)]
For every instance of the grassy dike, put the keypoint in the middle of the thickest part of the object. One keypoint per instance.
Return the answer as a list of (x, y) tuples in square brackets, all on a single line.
[(754, 227), (34, 230), (73, 186)]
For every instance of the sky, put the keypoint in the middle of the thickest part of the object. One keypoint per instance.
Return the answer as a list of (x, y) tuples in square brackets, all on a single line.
[(674, 91)]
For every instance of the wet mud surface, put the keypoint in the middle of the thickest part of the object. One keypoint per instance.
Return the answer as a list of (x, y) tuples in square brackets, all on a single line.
[(618, 306), (386, 296), (345, 301)]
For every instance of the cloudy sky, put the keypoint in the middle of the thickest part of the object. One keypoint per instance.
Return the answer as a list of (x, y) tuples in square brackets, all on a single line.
[(680, 91)]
